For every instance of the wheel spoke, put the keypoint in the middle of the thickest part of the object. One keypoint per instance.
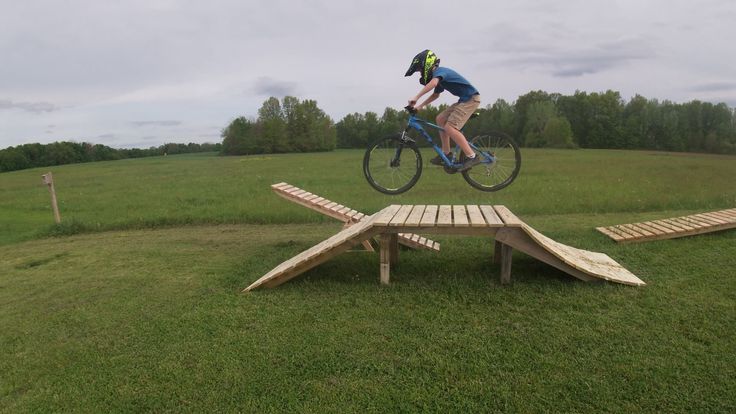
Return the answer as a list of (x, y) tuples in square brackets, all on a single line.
[(503, 170), (388, 178)]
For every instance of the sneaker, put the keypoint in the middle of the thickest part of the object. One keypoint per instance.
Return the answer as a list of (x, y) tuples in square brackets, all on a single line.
[(469, 163), (439, 161)]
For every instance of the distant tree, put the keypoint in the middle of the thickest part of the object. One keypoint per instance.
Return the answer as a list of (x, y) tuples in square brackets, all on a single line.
[(238, 137), (521, 108), (558, 133), (538, 114), (12, 159), (273, 127)]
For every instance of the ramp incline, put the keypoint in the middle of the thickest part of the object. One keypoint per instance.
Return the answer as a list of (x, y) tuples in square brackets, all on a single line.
[(475, 220)]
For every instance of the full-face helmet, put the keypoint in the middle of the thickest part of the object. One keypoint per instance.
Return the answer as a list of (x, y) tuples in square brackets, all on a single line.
[(424, 62)]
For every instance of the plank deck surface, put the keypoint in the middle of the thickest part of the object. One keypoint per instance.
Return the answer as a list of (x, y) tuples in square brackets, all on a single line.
[(671, 228), (343, 213), (469, 219)]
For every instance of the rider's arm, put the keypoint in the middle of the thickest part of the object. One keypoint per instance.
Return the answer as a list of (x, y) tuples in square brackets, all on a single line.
[(429, 99), (428, 87)]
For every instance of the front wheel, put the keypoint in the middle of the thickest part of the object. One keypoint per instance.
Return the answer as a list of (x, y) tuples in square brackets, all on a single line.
[(500, 162), (392, 165)]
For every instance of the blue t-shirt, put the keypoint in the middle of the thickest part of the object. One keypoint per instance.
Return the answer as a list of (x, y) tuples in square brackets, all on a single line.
[(454, 83)]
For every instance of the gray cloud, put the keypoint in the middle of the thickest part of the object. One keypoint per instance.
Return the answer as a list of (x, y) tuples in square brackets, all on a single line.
[(714, 87), (162, 61), (106, 136), (271, 87), (561, 62), (35, 107), (156, 123)]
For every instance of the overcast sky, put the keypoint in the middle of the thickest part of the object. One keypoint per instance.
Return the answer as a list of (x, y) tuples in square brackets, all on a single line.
[(138, 73)]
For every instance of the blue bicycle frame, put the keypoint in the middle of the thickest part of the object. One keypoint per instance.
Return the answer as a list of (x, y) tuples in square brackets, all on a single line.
[(416, 123)]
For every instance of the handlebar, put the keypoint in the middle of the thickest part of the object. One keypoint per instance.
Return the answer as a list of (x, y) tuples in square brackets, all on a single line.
[(411, 109)]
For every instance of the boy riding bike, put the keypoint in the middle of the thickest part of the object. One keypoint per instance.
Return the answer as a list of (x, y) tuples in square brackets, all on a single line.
[(452, 119)]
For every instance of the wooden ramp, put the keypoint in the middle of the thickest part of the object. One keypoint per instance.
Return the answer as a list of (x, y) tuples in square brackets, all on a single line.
[(479, 220), (317, 254), (672, 227), (347, 215)]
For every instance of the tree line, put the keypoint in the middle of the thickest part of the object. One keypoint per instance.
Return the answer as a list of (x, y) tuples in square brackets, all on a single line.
[(536, 119), (65, 152), (584, 120), (289, 125)]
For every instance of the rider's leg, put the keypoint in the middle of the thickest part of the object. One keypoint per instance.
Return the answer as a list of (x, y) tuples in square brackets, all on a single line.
[(441, 121), (459, 139), (457, 117)]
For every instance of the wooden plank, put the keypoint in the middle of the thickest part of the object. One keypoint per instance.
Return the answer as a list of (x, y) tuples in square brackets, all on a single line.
[(593, 264), (415, 217), (724, 216), (315, 255), (659, 228), (459, 216), (729, 213), (429, 218), (676, 225), (662, 223), (475, 216), (711, 216), (509, 219), (303, 195), (703, 222), (610, 234), (332, 209), (491, 217), (687, 225), (384, 216), (350, 214), (632, 234), (385, 268), (622, 234), (285, 188), (444, 217), (638, 229), (506, 257), (653, 231), (401, 215)]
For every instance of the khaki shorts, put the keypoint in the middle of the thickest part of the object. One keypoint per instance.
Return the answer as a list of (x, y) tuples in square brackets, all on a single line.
[(459, 112)]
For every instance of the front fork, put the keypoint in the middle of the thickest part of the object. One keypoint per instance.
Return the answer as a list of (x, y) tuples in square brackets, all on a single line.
[(396, 161)]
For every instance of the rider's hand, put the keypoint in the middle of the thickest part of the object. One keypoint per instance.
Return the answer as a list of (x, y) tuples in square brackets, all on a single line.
[(412, 103)]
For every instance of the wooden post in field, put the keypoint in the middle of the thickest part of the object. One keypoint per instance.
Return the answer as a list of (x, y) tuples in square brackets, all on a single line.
[(48, 179)]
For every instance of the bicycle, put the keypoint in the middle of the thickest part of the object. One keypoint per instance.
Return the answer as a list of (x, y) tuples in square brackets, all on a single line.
[(393, 165)]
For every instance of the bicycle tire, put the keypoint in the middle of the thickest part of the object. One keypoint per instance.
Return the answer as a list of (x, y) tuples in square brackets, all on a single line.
[(384, 172), (500, 173)]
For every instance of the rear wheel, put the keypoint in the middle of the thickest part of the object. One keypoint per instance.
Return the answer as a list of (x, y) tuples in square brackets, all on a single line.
[(500, 162), (392, 165)]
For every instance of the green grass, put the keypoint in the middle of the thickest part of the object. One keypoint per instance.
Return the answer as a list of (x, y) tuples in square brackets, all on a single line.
[(148, 316), (205, 189)]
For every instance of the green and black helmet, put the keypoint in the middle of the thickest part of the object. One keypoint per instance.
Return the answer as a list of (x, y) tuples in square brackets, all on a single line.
[(424, 63)]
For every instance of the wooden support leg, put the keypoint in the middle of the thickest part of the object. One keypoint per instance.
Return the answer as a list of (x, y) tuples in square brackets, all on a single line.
[(385, 241), (394, 246), (506, 252), (368, 246), (497, 252)]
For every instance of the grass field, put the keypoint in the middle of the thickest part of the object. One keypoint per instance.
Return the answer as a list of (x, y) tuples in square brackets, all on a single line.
[(135, 305)]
